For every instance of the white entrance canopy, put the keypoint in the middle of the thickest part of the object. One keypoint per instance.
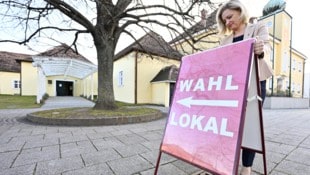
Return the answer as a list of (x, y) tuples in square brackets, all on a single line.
[(52, 66)]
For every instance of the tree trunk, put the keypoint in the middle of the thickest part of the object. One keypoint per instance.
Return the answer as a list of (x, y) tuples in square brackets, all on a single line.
[(105, 52)]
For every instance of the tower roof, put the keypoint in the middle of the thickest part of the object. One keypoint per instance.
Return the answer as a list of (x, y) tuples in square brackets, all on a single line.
[(273, 5)]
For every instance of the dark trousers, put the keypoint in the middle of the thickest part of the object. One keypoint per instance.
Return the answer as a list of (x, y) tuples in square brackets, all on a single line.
[(248, 155)]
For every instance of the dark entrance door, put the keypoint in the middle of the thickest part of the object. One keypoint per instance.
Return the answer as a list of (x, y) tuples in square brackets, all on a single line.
[(172, 86), (64, 88)]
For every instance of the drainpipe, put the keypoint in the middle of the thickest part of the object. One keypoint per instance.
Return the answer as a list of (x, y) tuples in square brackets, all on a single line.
[(273, 45), (20, 79), (136, 78), (290, 76), (303, 80), (92, 87)]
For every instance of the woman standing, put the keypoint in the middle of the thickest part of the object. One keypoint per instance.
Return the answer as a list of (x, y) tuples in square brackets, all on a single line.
[(232, 20)]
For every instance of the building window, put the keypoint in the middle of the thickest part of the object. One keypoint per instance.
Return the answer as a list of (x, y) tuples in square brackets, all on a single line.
[(271, 55), (16, 84), (285, 64), (287, 84), (294, 64), (270, 84), (299, 66), (120, 78)]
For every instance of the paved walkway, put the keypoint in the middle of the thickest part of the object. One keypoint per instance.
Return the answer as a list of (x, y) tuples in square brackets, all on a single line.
[(27, 148)]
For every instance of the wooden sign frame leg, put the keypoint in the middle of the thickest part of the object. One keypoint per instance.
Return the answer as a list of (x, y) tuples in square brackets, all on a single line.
[(157, 163), (260, 106)]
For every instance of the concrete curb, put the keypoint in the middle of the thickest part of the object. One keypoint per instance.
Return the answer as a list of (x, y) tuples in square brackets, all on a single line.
[(96, 121)]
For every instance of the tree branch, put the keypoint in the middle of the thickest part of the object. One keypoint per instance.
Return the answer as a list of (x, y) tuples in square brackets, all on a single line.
[(72, 13)]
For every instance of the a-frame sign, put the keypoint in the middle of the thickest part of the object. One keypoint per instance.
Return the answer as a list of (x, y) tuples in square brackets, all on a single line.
[(216, 110)]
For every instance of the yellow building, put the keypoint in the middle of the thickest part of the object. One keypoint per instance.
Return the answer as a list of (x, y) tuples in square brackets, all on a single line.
[(56, 72), (145, 73), (288, 63), (10, 77)]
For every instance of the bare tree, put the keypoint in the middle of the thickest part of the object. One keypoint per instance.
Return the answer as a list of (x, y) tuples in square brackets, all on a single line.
[(104, 20)]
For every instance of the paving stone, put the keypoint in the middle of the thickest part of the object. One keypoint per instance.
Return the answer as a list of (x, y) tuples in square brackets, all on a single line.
[(138, 130), (68, 129), (60, 165), (300, 155), (130, 150), (3, 138), (129, 165), (102, 144), (15, 145), (305, 143), (44, 130), (76, 148), (70, 139), (258, 164), (185, 167), (165, 170), (152, 145), (105, 129), (275, 157), (293, 168), (41, 143), (291, 139), (99, 135), (278, 173), (99, 157), (33, 155), (28, 138), (21, 170), (101, 169), (120, 132), (85, 131), (151, 135), (131, 139), (279, 147), (157, 126), (16, 133), (153, 156), (7, 158), (57, 135)]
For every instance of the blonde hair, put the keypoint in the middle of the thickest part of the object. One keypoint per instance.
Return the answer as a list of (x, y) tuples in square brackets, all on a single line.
[(231, 5)]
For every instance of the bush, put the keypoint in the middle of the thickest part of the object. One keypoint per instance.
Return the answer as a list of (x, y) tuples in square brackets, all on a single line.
[(44, 97)]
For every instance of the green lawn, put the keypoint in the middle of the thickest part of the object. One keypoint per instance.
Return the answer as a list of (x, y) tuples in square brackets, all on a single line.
[(17, 102)]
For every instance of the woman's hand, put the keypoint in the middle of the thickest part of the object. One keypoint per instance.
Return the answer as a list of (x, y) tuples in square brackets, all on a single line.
[(258, 47)]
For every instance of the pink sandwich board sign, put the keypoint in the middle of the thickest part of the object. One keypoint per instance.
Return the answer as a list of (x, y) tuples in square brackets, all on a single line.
[(207, 116)]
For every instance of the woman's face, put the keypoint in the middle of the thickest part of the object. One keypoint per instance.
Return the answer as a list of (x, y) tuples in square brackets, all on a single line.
[(231, 19)]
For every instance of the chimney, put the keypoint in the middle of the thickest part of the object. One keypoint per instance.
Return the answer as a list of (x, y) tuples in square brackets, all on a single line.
[(203, 13), (203, 16)]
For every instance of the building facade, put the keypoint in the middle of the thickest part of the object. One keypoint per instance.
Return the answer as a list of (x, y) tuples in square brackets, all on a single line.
[(56, 72), (288, 64)]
